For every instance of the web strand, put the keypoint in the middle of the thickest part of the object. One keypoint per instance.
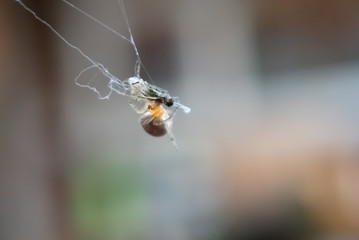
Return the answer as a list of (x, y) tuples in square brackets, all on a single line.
[(137, 67), (97, 21), (139, 63), (115, 84)]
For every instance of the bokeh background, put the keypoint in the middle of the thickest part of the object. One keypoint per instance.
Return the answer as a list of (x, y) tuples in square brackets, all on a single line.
[(269, 151)]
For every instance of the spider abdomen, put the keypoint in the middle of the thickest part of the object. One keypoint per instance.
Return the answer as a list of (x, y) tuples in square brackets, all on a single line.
[(153, 125)]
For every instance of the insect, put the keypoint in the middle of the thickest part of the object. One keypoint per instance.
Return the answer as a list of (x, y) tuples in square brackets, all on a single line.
[(156, 105)]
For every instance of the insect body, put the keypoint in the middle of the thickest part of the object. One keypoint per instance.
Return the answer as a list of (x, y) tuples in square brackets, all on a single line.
[(156, 106)]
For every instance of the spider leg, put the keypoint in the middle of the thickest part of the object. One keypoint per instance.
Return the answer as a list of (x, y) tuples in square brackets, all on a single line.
[(170, 134), (172, 115), (137, 109)]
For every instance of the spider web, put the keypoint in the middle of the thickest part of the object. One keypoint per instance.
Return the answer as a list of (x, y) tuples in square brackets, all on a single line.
[(97, 69), (114, 84)]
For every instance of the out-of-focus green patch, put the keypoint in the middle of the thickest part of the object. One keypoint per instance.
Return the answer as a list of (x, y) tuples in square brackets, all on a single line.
[(109, 199)]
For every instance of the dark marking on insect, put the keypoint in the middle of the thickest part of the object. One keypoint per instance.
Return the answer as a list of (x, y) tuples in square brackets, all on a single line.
[(166, 101)]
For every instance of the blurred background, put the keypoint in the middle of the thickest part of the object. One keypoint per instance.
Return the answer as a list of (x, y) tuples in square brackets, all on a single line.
[(269, 151)]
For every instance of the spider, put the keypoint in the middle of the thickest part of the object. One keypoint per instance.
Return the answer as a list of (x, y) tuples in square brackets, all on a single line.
[(156, 106)]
